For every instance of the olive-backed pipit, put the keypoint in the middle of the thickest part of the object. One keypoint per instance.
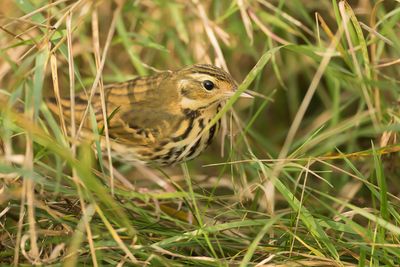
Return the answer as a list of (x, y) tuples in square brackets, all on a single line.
[(159, 118)]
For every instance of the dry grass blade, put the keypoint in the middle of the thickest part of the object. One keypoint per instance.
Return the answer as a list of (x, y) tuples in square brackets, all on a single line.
[(36, 11), (220, 60), (246, 20), (388, 64), (19, 227), (95, 84), (286, 16), (53, 63), (71, 84), (116, 237), (96, 45), (267, 32), (305, 103), (376, 33)]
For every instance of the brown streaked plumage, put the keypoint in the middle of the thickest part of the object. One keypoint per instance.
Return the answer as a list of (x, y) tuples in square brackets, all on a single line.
[(156, 119)]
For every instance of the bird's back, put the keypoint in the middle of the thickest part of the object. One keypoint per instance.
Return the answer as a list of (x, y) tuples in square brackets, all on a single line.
[(145, 121)]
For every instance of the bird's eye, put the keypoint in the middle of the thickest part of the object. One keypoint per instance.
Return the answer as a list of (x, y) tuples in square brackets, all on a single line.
[(208, 85)]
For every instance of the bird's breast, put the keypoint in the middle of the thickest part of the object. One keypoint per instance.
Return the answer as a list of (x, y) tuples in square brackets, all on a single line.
[(191, 136)]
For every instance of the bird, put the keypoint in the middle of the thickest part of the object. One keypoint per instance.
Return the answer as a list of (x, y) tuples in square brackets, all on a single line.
[(157, 119)]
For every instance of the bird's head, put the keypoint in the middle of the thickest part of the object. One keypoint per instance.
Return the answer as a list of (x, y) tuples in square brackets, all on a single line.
[(204, 85)]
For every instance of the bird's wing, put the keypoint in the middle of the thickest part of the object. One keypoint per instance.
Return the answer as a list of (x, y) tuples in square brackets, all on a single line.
[(139, 112)]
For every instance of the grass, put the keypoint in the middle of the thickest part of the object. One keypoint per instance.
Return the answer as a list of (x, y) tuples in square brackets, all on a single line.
[(309, 173)]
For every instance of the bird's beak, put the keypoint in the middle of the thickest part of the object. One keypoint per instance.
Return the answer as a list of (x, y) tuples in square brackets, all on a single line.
[(244, 94)]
